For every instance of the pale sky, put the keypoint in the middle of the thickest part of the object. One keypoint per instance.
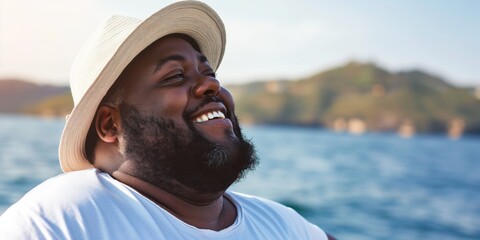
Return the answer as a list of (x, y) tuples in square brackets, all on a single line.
[(265, 38)]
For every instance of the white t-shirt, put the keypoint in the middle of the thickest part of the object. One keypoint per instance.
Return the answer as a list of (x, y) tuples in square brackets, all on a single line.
[(90, 204)]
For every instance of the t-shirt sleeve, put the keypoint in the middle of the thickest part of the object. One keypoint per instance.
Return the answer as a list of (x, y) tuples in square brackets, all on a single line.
[(45, 212), (23, 222)]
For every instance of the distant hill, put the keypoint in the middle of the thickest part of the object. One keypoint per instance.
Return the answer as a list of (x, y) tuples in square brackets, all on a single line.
[(380, 100), (22, 97)]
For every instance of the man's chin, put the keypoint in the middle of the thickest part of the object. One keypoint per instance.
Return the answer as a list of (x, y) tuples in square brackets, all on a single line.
[(220, 132)]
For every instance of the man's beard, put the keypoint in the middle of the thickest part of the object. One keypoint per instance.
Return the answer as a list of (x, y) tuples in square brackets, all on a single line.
[(165, 154)]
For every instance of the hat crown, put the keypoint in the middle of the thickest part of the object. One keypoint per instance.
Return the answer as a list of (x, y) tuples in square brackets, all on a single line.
[(97, 52)]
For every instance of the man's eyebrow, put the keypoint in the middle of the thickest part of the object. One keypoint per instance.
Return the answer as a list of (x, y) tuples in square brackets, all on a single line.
[(174, 57), (177, 57)]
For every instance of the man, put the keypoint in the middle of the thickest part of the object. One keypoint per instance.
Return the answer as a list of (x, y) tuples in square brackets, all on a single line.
[(152, 143)]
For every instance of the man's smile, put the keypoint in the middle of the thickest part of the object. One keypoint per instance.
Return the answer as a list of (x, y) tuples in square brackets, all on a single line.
[(211, 114)]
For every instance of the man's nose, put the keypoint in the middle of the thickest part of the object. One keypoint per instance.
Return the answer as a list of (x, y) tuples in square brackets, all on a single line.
[(206, 86)]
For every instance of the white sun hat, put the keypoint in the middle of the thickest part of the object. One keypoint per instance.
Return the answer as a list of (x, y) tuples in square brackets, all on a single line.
[(112, 48)]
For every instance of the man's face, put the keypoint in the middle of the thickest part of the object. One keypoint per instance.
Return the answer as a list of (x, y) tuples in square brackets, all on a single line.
[(173, 80), (179, 125)]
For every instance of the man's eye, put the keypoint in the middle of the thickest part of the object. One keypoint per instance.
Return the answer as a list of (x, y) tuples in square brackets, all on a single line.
[(176, 76), (173, 79), (212, 74)]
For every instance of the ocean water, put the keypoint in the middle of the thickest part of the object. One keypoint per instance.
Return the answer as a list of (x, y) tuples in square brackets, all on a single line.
[(372, 186)]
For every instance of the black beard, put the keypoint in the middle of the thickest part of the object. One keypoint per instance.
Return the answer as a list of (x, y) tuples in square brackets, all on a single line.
[(165, 154)]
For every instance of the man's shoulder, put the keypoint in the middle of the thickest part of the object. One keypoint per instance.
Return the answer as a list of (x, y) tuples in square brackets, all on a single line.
[(71, 183), (275, 216), (65, 189), (53, 204)]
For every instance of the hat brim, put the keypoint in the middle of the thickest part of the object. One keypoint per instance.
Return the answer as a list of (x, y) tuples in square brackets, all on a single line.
[(191, 18)]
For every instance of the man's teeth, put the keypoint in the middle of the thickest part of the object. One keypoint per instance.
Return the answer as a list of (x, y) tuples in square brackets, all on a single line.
[(209, 116)]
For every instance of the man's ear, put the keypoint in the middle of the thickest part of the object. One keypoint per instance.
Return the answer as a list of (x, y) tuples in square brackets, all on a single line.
[(107, 123)]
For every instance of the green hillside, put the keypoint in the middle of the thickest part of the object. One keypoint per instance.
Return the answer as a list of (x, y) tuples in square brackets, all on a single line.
[(56, 105), (381, 99), (358, 93), (16, 95)]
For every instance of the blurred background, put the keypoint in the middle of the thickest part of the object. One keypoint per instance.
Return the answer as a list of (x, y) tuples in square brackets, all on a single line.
[(366, 114)]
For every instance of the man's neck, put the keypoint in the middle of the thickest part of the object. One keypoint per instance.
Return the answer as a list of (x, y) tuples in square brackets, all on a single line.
[(210, 211)]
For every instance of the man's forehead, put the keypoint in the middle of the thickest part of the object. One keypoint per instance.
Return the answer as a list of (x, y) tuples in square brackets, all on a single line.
[(175, 44)]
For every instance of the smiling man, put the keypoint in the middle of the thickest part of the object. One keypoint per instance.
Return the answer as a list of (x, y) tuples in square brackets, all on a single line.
[(152, 144)]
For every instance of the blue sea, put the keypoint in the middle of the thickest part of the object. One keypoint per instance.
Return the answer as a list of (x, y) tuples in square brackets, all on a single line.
[(370, 186)]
